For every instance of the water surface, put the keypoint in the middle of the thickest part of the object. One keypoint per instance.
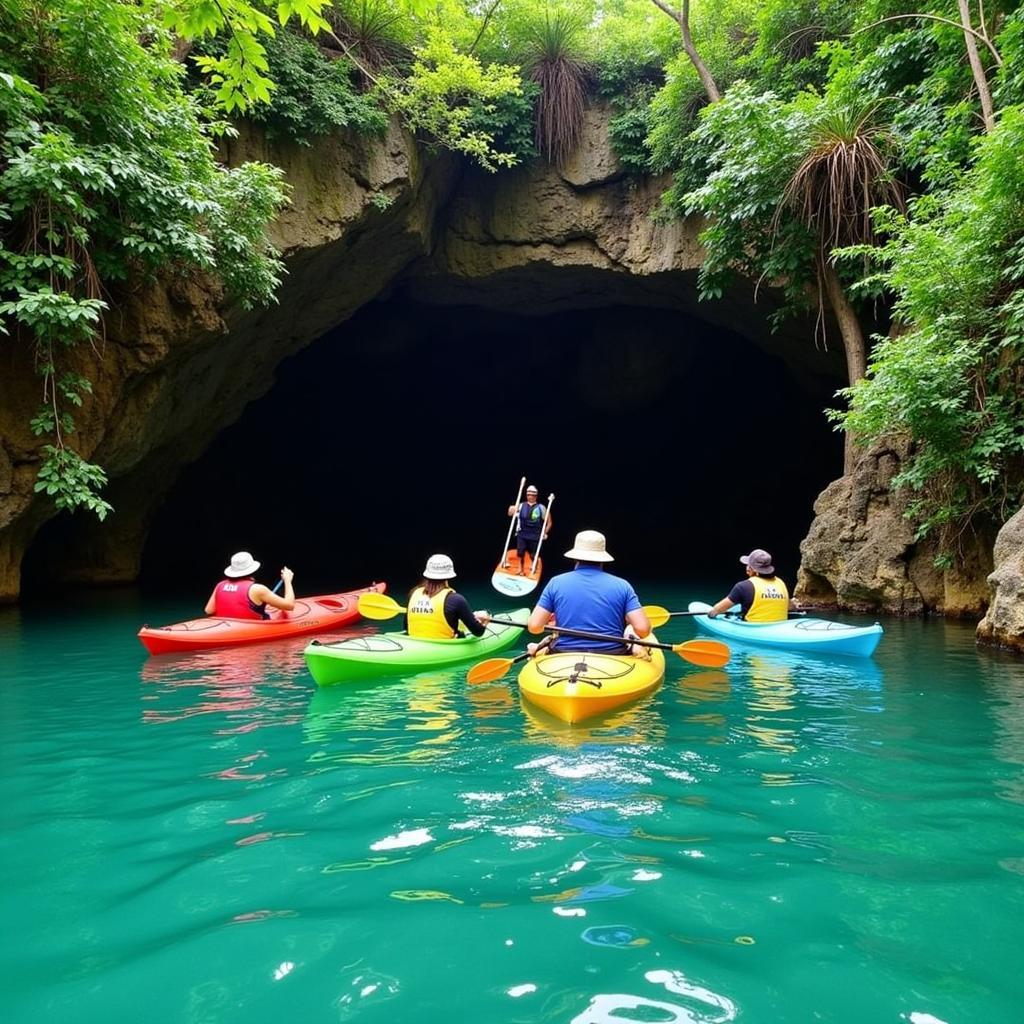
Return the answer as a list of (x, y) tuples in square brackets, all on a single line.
[(212, 839)]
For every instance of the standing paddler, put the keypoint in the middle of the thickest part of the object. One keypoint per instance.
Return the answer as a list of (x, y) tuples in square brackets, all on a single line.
[(534, 525)]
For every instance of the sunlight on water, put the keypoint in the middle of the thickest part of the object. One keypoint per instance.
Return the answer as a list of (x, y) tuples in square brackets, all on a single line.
[(789, 839)]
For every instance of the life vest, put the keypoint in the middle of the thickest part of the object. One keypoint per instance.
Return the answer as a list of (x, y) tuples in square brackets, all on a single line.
[(425, 618), (531, 518), (771, 600), (231, 600)]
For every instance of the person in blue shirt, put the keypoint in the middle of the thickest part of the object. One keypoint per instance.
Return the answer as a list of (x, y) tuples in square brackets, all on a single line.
[(590, 599)]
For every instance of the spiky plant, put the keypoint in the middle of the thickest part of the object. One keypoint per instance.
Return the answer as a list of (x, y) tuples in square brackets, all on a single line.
[(841, 178), (370, 32), (554, 63), (843, 175)]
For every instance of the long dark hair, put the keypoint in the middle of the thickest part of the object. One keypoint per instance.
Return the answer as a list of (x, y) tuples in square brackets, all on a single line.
[(430, 587)]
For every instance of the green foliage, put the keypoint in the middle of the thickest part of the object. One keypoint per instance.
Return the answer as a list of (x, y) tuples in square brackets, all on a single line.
[(314, 94), (239, 74), (953, 380), (508, 119), (749, 145), (107, 174), (448, 95)]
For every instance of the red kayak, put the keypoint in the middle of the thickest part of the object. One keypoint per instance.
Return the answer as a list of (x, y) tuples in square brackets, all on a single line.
[(310, 615)]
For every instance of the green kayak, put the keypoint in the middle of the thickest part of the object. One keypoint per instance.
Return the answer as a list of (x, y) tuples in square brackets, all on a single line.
[(382, 654)]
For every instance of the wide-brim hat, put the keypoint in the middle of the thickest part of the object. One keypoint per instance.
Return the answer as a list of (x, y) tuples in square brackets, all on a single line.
[(759, 560), (439, 567), (242, 564), (589, 546)]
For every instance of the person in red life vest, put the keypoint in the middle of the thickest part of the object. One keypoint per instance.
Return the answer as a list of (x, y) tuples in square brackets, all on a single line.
[(239, 596), (762, 596), (435, 610), (533, 522)]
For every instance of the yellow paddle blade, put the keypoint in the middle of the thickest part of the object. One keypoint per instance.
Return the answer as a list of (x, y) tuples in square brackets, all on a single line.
[(656, 615), (709, 653), (378, 606), (488, 671)]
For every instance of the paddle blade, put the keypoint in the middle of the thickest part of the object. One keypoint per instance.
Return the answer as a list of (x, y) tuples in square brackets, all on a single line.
[(707, 653), (488, 671), (378, 606), (656, 615)]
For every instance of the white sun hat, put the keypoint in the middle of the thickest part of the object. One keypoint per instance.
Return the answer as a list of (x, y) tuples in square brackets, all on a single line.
[(439, 567), (242, 564), (589, 546)]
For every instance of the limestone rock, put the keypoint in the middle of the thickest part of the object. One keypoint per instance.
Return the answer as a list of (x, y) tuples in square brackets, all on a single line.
[(593, 161), (1003, 624), (861, 553)]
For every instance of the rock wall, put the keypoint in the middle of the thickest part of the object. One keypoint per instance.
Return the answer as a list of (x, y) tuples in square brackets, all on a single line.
[(178, 364), (1003, 624), (861, 552)]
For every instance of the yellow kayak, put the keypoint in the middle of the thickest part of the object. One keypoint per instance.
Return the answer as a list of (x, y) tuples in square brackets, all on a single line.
[(577, 685)]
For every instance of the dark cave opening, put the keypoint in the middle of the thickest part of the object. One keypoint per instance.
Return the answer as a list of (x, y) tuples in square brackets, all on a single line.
[(405, 431)]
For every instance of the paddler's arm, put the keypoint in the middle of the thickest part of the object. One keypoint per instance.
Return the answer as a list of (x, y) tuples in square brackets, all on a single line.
[(539, 618), (260, 594), (722, 606), (640, 623), (457, 607), (211, 605), (543, 613)]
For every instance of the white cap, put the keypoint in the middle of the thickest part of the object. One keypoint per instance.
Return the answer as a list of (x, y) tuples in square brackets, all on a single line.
[(589, 546), (439, 567), (531, 488), (242, 564)]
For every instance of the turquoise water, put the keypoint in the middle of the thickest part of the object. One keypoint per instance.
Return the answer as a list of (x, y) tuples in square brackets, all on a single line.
[(210, 839)]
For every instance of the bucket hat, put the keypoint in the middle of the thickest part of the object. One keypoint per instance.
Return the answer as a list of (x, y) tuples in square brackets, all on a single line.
[(759, 560), (589, 546), (531, 490), (439, 567), (242, 564)]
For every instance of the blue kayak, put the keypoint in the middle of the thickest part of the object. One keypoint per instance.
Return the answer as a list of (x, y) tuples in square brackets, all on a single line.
[(815, 636)]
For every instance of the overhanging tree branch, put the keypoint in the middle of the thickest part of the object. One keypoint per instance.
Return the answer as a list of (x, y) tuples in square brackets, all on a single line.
[(682, 19)]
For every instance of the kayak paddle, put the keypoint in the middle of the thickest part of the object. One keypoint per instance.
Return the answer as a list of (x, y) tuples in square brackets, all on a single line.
[(544, 532), (494, 668), (512, 523), (378, 606), (708, 653), (658, 616)]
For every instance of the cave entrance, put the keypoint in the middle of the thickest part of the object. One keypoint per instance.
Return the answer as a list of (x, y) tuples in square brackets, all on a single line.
[(406, 429)]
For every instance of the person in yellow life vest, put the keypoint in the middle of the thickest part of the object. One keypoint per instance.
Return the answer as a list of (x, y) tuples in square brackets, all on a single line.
[(435, 611), (762, 596)]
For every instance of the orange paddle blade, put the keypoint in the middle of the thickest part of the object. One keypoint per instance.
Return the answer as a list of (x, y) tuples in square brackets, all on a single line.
[(708, 653), (488, 671)]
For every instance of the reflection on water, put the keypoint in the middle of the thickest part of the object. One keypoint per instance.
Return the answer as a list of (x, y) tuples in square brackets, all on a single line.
[(635, 723), (233, 682), (391, 721), (694, 1004), (772, 693)]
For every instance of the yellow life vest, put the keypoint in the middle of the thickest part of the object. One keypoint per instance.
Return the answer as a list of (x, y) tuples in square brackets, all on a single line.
[(771, 600), (425, 617)]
